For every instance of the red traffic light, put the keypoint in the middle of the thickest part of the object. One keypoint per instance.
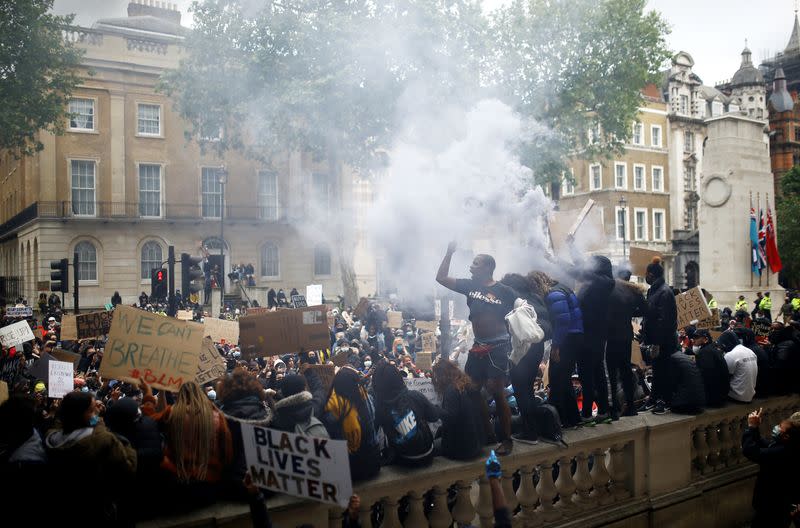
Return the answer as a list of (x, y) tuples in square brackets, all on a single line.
[(159, 276)]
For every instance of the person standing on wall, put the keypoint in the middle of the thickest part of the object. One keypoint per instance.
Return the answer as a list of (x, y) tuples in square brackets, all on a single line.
[(489, 301)]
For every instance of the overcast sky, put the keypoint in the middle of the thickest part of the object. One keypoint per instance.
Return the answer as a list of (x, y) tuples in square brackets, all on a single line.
[(712, 31)]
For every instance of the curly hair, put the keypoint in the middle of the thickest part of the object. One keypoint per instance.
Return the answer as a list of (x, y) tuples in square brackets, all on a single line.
[(445, 373), (238, 385), (540, 282)]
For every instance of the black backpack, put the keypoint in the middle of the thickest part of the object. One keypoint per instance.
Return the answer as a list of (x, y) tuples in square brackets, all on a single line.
[(548, 424)]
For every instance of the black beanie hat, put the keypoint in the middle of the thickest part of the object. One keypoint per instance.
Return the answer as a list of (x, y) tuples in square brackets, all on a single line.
[(655, 268), (293, 384)]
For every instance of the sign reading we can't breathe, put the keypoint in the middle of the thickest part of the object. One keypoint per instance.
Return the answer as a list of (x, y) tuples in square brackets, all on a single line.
[(163, 351)]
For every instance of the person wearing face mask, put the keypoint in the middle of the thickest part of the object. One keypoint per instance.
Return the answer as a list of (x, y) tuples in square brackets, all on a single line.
[(784, 364), (80, 444), (776, 490), (659, 330), (713, 369)]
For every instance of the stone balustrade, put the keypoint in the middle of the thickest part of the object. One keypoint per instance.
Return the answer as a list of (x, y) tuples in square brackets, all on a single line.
[(77, 35), (643, 471)]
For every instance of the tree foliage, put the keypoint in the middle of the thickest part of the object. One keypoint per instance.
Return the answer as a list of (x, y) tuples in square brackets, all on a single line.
[(788, 225), (339, 75), (38, 72)]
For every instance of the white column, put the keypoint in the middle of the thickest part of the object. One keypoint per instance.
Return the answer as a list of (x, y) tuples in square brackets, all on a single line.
[(117, 118)]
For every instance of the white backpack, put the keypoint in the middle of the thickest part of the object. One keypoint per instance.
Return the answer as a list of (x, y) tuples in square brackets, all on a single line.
[(525, 330)]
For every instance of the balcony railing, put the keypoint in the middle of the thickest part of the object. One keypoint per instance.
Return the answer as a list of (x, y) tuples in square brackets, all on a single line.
[(645, 471), (171, 211)]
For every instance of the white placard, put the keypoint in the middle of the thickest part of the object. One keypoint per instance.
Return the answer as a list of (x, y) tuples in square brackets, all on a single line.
[(302, 466), (314, 294), (425, 386), (60, 378), (16, 334), (19, 311)]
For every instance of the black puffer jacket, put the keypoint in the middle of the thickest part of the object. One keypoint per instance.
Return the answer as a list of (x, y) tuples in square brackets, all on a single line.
[(597, 284), (661, 321), (295, 414), (249, 409), (779, 465), (716, 380), (626, 302), (688, 394)]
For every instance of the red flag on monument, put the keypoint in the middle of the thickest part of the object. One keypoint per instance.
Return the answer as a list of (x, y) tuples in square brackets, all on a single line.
[(773, 258)]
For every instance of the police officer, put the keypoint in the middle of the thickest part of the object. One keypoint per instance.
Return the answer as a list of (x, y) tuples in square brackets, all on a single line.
[(766, 306)]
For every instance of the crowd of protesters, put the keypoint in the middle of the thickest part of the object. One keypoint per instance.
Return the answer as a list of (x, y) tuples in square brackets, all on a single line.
[(130, 447)]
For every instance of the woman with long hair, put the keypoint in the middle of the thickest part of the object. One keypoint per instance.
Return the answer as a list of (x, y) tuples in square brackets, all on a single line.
[(198, 442), (350, 415), (463, 434), (567, 322)]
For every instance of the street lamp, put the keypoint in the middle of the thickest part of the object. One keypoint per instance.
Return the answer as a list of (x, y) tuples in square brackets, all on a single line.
[(222, 178), (622, 204)]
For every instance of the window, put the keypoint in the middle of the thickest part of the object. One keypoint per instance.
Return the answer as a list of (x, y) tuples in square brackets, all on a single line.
[(268, 195), (621, 223), (594, 134), (688, 142), (684, 104), (717, 108), (211, 191), (655, 136), (149, 190), (323, 191), (149, 120), (638, 134), (322, 260), (658, 224), (569, 182), (83, 190), (595, 177), (689, 183), (620, 175), (797, 134), (87, 256), (638, 177), (270, 261), (151, 258), (658, 179), (640, 226), (82, 111)]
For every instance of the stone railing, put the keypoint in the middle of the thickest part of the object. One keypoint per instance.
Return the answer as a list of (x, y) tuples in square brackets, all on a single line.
[(644, 471), (77, 35)]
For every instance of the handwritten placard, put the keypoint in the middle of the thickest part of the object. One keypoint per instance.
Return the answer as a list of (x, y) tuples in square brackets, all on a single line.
[(710, 322), (185, 315), (19, 311), (284, 331), (93, 324), (692, 307), (395, 319), (302, 466), (69, 330), (257, 310), (210, 365), (299, 301), (425, 387), (424, 360), (163, 351), (221, 330), (60, 378), (427, 326), (314, 294), (16, 334), (428, 342)]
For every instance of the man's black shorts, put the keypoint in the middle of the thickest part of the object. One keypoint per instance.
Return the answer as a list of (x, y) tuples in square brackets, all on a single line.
[(490, 366)]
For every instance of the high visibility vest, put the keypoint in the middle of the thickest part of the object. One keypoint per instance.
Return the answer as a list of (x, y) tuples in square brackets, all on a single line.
[(741, 306), (765, 304), (712, 304), (796, 303)]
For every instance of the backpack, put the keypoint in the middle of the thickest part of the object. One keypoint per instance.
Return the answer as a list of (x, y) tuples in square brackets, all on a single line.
[(409, 433), (525, 330), (548, 423)]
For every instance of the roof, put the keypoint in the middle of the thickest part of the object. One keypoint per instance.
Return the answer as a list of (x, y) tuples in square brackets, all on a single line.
[(793, 46), (747, 73), (781, 99), (148, 23)]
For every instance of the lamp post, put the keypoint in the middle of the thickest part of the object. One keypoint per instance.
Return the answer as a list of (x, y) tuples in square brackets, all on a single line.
[(222, 178), (622, 204)]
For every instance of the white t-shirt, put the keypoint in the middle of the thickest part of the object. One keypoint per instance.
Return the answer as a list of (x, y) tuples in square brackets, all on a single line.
[(743, 366)]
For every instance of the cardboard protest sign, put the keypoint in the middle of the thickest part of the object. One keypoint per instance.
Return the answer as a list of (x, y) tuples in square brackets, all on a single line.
[(395, 319), (584, 226), (69, 330), (257, 310), (314, 294), (221, 330), (210, 365), (302, 466), (428, 342), (640, 259), (16, 334), (185, 315), (284, 331), (162, 350), (710, 322), (60, 379), (760, 329), (424, 360), (692, 307), (93, 324), (361, 308), (715, 334), (299, 301), (347, 318), (19, 311), (65, 355), (427, 326), (3, 391), (424, 386)]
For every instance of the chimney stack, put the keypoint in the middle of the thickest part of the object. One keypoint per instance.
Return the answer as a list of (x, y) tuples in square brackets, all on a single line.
[(163, 10)]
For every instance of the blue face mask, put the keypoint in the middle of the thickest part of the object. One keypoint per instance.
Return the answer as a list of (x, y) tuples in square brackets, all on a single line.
[(94, 420), (776, 433)]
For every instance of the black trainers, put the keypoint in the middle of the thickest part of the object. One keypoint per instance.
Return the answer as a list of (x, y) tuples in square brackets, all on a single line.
[(648, 405), (630, 412), (525, 438), (660, 408), (602, 419), (588, 422)]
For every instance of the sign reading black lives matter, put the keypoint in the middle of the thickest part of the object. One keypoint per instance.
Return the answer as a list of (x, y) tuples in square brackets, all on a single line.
[(94, 324), (303, 466)]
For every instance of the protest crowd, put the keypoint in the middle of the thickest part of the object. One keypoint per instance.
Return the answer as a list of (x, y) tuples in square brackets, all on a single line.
[(536, 357)]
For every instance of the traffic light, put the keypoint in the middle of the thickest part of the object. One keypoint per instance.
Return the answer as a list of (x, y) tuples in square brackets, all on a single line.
[(158, 284), (59, 275), (192, 277)]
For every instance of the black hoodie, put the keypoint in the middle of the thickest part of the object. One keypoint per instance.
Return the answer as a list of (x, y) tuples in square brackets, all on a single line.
[(295, 414), (661, 322), (598, 283)]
